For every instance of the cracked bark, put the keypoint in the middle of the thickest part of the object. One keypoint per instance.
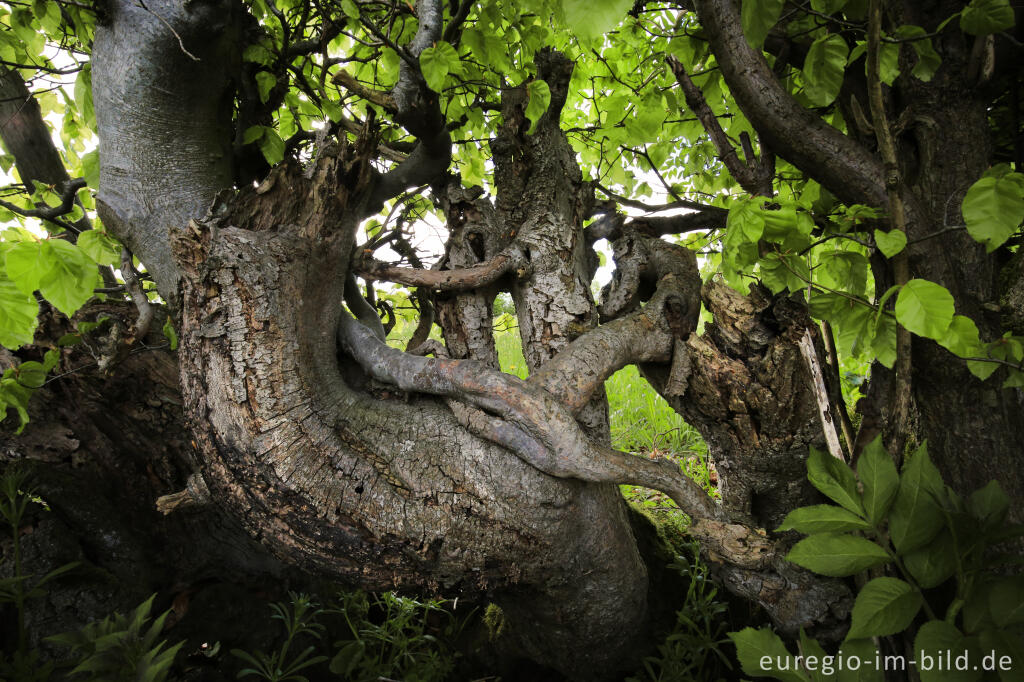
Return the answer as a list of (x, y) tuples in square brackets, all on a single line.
[(974, 429), (330, 468)]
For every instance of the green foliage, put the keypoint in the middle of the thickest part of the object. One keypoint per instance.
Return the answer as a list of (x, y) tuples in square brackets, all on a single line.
[(824, 69), (398, 646), (299, 618), (994, 206), (926, 537), (358, 638), (693, 650), (758, 17), (122, 648), (982, 17)]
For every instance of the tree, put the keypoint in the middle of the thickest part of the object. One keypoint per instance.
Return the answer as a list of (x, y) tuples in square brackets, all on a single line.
[(242, 148)]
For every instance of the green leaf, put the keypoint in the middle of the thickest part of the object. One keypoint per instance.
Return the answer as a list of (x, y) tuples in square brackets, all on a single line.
[(883, 343), (883, 607), (881, 481), (593, 18), (761, 653), (18, 313), (350, 9), (258, 54), (935, 641), (1006, 602), (83, 95), (822, 518), (866, 653), (172, 336), (890, 243), (436, 63), (834, 478), (925, 308), (962, 337), (837, 555), (539, 95), (251, 134), (994, 207), (827, 6), (71, 278), (745, 220), (1005, 650), (758, 17), (98, 245), (272, 146), (27, 262), (888, 62), (91, 168), (815, 659), (935, 563), (928, 60), (824, 68), (916, 517), (982, 17), (30, 374), (265, 82), (781, 272), (989, 505)]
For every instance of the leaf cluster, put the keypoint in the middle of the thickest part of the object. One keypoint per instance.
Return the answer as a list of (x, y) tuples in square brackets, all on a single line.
[(933, 574)]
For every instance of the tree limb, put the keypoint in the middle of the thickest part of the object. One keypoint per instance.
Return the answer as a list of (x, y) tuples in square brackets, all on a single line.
[(755, 175), (461, 279), (800, 136), (523, 418)]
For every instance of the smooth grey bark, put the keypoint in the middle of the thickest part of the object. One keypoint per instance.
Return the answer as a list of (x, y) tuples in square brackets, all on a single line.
[(162, 95)]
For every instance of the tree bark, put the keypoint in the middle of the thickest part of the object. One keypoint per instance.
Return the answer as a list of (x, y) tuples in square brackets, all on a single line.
[(339, 459)]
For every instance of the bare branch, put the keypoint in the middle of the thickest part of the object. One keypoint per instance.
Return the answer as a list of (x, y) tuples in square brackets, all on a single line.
[(139, 298), (755, 175), (462, 279)]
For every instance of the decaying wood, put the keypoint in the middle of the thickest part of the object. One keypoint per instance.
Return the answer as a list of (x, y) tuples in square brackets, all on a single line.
[(825, 410)]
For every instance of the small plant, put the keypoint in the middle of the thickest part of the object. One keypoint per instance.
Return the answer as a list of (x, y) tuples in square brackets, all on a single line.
[(693, 650), (16, 495), (395, 643), (299, 619), (937, 550), (122, 648)]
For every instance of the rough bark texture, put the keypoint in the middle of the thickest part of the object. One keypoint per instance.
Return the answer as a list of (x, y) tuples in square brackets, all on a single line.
[(345, 460), (475, 235), (100, 449), (974, 429)]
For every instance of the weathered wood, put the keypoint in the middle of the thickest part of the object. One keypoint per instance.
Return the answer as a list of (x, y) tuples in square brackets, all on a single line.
[(828, 426)]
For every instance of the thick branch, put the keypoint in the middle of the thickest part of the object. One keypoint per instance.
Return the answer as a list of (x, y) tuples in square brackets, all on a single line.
[(165, 134), (536, 427), (800, 136), (417, 108), (610, 226), (582, 367), (26, 135)]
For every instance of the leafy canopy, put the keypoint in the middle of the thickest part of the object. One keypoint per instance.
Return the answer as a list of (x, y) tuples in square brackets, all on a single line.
[(625, 116)]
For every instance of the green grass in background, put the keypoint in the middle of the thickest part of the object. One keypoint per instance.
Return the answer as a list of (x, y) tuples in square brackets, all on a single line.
[(641, 423)]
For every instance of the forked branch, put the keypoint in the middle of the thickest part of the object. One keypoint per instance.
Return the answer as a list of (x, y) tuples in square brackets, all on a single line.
[(523, 418)]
